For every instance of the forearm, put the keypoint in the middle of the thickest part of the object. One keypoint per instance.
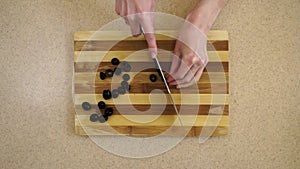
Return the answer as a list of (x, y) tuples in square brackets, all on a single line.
[(205, 13)]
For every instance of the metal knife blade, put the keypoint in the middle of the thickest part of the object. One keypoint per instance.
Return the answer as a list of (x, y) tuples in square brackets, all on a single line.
[(158, 67), (167, 87)]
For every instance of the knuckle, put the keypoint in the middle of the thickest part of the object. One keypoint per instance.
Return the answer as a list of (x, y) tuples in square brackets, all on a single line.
[(150, 37), (117, 11), (123, 14), (189, 58), (130, 17)]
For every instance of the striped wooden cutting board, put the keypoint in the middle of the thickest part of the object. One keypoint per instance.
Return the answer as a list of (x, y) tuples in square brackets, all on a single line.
[(93, 53)]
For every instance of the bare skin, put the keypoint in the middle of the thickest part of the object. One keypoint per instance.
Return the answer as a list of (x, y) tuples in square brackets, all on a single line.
[(190, 55), (139, 13)]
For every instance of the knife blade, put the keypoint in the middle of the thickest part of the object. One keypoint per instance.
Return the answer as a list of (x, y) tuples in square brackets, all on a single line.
[(158, 67)]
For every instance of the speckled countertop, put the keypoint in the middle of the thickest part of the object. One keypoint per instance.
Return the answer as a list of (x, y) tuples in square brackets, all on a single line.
[(36, 71)]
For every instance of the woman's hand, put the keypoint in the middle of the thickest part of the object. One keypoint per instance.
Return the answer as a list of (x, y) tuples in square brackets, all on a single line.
[(190, 55), (139, 13)]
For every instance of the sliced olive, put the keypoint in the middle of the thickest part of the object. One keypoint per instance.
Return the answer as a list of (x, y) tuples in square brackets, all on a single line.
[(117, 71), (106, 94), (86, 106), (121, 90), (109, 73), (153, 78), (125, 66), (109, 111), (101, 105), (125, 85), (102, 75), (115, 93), (103, 118), (126, 77), (94, 117), (115, 61)]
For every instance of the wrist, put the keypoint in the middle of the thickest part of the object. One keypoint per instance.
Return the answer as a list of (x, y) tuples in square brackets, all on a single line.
[(201, 21), (205, 13)]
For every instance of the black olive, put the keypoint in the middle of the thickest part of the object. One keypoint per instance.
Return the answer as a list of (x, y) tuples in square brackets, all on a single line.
[(106, 94), (126, 66), (102, 75), (121, 90), (103, 118), (124, 63), (94, 117), (109, 111), (126, 77), (117, 71), (101, 105), (86, 106), (115, 93), (109, 73), (153, 77), (115, 61), (125, 85)]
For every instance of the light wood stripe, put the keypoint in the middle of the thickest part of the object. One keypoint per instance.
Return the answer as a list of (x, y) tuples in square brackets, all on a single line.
[(152, 131), (153, 120), (125, 45), (160, 35), (143, 77), (137, 56), (157, 109), (159, 99)]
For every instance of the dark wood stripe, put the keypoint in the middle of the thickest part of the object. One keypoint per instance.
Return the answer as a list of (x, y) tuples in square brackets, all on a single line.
[(137, 66), (126, 45), (203, 88), (169, 109)]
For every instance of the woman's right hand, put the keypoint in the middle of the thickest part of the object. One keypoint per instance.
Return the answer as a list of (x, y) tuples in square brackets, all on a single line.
[(139, 13)]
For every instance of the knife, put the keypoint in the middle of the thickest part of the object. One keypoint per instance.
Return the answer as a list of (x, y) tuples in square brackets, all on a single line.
[(159, 69)]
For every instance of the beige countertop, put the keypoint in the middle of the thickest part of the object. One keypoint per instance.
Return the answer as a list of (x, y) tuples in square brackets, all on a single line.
[(37, 121)]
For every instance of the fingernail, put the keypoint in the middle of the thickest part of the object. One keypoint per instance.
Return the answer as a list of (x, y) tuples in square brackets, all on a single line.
[(136, 35), (172, 83)]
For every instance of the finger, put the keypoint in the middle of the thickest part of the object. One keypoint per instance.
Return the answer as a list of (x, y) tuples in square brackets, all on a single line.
[(117, 6), (134, 25), (123, 8), (147, 24), (195, 79), (189, 76), (176, 58), (151, 40), (175, 62), (185, 66), (153, 6)]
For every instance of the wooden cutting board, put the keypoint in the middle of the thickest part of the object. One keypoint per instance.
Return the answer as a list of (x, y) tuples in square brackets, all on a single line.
[(93, 53)]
